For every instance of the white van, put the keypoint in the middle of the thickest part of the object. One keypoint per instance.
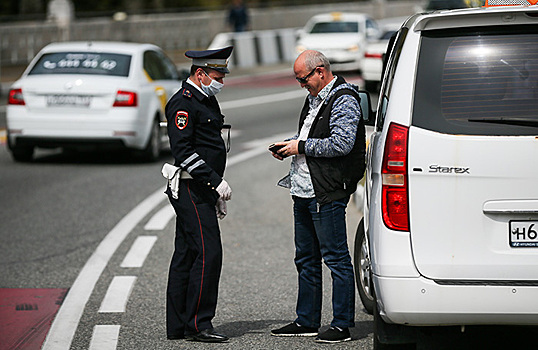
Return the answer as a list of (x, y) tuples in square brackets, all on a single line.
[(450, 229)]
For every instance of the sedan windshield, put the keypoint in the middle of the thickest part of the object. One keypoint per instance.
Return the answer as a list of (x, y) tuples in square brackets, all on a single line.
[(335, 27), (83, 63)]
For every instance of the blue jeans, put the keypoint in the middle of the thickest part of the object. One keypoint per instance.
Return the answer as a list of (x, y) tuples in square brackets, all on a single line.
[(320, 232)]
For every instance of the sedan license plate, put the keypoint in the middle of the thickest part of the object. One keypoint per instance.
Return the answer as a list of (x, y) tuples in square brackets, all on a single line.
[(523, 233), (68, 100)]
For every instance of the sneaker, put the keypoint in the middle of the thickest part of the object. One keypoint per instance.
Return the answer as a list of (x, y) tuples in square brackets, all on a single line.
[(294, 330), (334, 335)]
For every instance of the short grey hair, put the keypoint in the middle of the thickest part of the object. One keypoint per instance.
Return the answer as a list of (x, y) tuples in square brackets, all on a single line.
[(315, 59)]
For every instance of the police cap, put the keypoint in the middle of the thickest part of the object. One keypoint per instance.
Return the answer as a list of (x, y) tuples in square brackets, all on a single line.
[(215, 59)]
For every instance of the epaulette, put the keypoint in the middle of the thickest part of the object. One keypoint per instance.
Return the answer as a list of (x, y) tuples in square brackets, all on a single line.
[(187, 93)]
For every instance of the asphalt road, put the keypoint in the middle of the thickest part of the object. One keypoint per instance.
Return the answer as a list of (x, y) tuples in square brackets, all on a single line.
[(59, 212)]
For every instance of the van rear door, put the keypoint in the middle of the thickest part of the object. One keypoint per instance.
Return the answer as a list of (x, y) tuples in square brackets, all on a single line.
[(473, 155)]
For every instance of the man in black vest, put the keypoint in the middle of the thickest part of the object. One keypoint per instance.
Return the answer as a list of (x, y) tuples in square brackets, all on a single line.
[(197, 191), (328, 161)]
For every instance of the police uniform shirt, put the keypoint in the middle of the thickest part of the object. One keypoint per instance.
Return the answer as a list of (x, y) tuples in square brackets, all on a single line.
[(194, 129)]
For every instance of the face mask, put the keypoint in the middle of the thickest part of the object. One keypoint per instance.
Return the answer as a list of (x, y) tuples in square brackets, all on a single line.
[(213, 88)]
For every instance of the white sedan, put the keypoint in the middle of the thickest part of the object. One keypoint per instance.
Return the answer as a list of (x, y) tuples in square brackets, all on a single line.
[(92, 93), (374, 55), (342, 37)]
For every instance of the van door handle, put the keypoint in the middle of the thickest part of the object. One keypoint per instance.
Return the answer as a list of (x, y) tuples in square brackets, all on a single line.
[(525, 206)]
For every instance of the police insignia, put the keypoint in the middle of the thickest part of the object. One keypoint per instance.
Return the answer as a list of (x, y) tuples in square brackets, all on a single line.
[(182, 119), (187, 93)]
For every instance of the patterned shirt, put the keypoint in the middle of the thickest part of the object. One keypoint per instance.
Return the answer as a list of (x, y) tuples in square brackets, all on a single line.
[(345, 117)]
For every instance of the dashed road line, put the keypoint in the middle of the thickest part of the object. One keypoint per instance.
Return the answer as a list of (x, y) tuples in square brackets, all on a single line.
[(105, 337), (117, 294), (66, 322), (159, 221), (140, 249)]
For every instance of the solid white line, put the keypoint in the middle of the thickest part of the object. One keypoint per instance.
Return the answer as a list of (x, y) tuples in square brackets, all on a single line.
[(241, 157), (258, 147), (66, 322), (139, 251), (118, 293), (281, 96), (160, 219), (266, 141), (105, 337), (251, 101)]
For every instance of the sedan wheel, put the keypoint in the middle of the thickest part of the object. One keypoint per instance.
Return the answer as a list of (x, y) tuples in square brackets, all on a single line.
[(153, 149)]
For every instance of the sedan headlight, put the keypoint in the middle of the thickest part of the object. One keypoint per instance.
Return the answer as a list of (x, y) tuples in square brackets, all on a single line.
[(353, 48), (300, 48)]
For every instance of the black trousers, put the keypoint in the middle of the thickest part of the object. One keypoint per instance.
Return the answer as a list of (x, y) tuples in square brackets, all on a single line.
[(196, 265)]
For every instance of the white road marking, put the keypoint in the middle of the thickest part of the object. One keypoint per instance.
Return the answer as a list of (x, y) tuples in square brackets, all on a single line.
[(66, 321), (265, 142), (140, 250), (258, 147), (252, 101), (159, 221), (118, 294), (105, 337), (281, 96)]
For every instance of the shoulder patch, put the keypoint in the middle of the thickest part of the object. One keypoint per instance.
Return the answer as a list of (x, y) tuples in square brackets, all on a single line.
[(187, 93), (182, 119)]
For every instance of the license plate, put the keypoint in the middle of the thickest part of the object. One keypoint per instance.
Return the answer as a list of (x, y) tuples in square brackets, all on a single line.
[(69, 100), (523, 233)]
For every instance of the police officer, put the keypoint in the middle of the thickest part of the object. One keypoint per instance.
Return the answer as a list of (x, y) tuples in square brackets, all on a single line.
[(198, 196)]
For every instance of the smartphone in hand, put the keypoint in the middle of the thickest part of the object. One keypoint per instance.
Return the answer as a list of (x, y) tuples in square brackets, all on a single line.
[(275, 148)]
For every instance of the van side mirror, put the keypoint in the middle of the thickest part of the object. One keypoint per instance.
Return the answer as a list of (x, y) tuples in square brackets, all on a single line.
[(366, 108)]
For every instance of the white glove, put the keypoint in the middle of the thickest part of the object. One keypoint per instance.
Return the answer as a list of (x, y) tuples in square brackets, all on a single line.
[(171, 173), (224, 190), (221, 208)]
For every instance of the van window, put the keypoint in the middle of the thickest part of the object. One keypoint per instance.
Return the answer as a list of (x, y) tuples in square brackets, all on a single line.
[(393, 52), (481, 81)]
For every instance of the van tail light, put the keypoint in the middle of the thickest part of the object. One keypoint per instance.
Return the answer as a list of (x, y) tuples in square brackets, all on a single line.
[(15, 97), (395, 201), (126, 99)]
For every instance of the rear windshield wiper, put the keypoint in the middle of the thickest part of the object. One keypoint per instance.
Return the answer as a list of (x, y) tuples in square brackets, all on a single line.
[(507, 121)]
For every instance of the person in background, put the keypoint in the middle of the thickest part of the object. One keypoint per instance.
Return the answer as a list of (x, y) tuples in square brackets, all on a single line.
[(238, 16), (328, 161)]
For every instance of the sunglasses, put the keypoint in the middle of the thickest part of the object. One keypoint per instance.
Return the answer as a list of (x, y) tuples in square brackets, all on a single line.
[(304, 79)]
